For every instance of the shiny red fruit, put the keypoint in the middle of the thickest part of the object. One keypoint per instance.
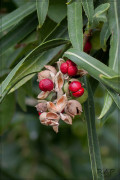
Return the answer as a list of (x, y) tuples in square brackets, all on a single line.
[(72, 70), (87, 47), (64, 68), (70, 63), (78, 93), (46, 85), (74, 86)]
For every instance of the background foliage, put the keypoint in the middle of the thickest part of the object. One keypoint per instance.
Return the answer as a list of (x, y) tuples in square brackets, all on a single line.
[(32, 34)]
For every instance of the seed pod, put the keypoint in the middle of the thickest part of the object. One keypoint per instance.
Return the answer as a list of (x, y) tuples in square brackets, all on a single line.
[(73, 108)]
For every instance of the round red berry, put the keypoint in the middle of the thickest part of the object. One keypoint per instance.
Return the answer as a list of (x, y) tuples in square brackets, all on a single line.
[(72, 70), (64, 68), (74, 86), (70, 63), (78, 93), (46, 85), (41, 85), (87, 47)]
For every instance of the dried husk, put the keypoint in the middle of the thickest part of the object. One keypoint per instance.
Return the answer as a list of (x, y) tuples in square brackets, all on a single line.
[(66, 118), (49, 119), (41, 107), (60, 104), (60, 62), (43, 94), (73, 108), (59, 81), (51, 68), (43, 75), (82, 72)]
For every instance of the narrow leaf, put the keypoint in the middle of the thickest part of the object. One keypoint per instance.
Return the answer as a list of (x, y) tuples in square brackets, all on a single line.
[(57, 10), (30, 57), (100, 14), (16, 16), (101, 9), (88, 7), (21, 98), (107, 104), (42, 9), (75, 24), (113, 82), (93, 144), (7, 109), (114, 58), (107, 114), (94, 67), (114, 24), (115, 97), (104, 35), (18, 33)]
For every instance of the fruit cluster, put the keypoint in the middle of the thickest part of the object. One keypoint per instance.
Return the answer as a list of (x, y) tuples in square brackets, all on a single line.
[(54, 103), (69, 68)]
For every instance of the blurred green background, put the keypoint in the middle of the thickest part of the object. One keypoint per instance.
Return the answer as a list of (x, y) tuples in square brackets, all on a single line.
[(29, 150)]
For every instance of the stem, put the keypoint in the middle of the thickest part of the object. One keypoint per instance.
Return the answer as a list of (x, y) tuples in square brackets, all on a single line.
[(86, 36)]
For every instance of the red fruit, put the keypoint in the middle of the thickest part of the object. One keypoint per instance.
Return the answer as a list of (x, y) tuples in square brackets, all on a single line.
[(78, 93), (39, 113), (64, 68), (72, 70), (87, 47), (74, 86), (70, 63), (46, 85)]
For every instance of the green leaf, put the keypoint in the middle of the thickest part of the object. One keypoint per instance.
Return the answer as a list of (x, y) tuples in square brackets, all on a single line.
[(93, 144), (115, 97), (59, 31), (46, 29), (42, 9), (57, 10), (114, 58), (21, 82), (88, 7), (30, 59), (94, 67), (75, 24), (104, 35), (18, 33), (100, 14), (7, 109), (107, 105), (21, 98), (107, 114), (16, 16), (23, 52), (113, 82), (114, 24), (101, 9)]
